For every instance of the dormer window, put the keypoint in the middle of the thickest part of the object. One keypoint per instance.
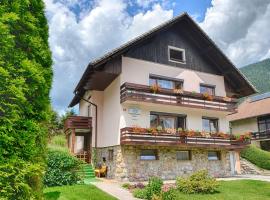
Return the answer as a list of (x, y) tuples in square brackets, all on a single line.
[(176, 54)]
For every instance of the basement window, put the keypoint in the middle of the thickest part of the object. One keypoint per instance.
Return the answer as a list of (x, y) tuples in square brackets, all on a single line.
[(148, 154), (214, 155), (183, 155), (176, 54)]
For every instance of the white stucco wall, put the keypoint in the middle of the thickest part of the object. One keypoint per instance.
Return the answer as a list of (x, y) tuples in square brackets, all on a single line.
[(245, 125), (112, 116), (138, 71)]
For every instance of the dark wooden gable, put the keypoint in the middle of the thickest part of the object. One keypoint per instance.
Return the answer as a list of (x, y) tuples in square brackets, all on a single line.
[(155, 49)]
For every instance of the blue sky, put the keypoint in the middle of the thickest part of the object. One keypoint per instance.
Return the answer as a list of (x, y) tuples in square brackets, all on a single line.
[(82, 30)]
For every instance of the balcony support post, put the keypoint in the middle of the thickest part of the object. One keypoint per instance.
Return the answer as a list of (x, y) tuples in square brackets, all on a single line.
[(73, 137)]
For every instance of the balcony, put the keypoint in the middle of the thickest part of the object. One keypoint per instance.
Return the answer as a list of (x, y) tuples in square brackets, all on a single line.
[(140, 136), (78, 122), (143, 93), (263, 135)]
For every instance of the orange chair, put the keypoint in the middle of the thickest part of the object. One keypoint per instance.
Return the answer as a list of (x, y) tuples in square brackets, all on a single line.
[(101, 172)]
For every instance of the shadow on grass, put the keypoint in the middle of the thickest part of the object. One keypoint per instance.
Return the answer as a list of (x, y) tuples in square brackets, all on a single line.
[(52, 195)]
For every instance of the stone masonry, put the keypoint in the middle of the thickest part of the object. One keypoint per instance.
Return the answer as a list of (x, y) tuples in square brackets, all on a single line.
[(127, 166)]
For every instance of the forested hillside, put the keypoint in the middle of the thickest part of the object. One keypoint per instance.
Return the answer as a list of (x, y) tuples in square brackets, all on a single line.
[(259, 75)]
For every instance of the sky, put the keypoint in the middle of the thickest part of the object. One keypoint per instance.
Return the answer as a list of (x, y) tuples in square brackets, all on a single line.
[(82, 30)]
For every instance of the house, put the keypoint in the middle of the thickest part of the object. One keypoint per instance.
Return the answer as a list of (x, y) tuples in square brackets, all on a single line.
[(148, 107), (253, 115)]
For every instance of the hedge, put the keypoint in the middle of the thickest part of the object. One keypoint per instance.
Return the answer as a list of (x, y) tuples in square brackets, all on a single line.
[(257, 156)]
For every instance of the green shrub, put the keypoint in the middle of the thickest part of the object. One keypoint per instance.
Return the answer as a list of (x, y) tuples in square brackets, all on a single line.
[(20, 180), (199, 182), (126, 185), (169, 192), (257, 156), (153, 187), (140, 193), (62, 169)]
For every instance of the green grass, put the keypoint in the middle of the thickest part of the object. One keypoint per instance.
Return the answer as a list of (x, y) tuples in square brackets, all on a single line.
[(76, 192), (232, 190), (257, 156)]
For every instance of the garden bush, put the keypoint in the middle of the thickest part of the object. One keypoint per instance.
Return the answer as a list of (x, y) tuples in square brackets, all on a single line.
[(168, 192), (199, 182), (140, 193), (62, 169), (153, 187), (257, 156)]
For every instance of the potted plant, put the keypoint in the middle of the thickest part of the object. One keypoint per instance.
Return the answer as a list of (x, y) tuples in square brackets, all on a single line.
[(159, 129), (170, 131), (155, 88), (228, 99), (191, 133), (207, 96)]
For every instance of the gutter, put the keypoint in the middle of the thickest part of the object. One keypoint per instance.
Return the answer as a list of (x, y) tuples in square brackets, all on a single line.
[(95, 105)]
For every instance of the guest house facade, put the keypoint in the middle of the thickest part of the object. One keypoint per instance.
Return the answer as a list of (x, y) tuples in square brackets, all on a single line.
[(157, 106)]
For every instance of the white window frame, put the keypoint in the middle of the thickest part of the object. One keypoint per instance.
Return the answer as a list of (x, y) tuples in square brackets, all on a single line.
[(177, 49)]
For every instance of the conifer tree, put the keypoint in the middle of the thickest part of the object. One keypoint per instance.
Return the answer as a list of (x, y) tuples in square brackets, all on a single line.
[(25, 83)]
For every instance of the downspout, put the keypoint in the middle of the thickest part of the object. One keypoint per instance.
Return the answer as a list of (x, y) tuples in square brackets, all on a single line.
[(95, 105)]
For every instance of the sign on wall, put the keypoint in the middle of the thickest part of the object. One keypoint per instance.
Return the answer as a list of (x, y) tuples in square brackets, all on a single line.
[(135, 112)]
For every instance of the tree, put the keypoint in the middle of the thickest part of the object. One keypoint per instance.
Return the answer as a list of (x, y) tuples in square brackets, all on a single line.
[(25, 83)]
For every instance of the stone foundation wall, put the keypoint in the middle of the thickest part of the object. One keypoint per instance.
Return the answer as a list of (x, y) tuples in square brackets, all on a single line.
[(127, 166)]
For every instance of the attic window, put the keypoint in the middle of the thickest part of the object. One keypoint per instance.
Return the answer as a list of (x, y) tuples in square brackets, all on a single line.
[(176, 54)]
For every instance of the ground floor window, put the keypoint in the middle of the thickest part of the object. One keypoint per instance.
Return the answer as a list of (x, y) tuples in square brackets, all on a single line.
[(166, 120), (183, 155), (214, 155), (148, 154)]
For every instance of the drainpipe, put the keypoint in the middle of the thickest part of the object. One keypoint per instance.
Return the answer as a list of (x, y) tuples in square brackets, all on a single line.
[(95, 105)]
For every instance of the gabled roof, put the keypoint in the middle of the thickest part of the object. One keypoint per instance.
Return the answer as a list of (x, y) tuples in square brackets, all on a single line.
[(253, 107), (94, 65)]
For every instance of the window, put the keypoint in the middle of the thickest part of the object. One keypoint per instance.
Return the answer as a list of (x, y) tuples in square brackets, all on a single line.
[(213, 155), (264, 123), (149, 154), (110, 155), (164, 82), (176, 54), (209, 89), (183, 155), (210, 124), (166, 120)]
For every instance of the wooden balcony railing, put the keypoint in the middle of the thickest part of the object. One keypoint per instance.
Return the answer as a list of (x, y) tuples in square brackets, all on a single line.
[(78, 122), (128, 137), (260, 135), (143, 93)]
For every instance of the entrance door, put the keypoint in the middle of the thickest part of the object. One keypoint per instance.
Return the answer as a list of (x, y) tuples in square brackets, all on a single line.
[(233, 162), (79, 144)]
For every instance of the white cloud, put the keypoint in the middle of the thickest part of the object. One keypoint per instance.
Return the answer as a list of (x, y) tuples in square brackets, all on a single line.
[(240, 28), (75, 39)]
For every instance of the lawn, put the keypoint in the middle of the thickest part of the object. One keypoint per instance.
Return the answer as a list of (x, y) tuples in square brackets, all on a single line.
[(232, 190), (76, 192)]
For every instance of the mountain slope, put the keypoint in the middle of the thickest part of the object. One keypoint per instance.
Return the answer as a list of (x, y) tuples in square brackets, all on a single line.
[(259, 75)]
